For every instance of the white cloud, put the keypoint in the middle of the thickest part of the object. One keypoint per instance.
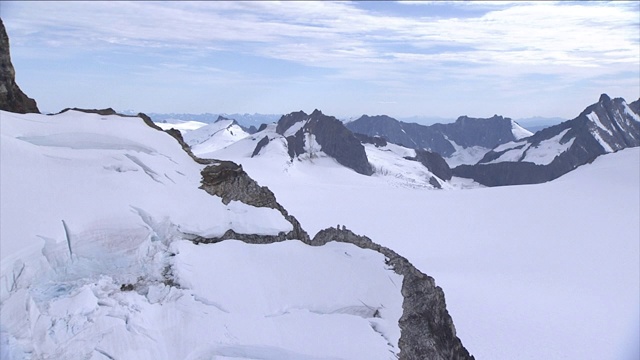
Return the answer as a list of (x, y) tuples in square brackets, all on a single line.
[(574, 41)]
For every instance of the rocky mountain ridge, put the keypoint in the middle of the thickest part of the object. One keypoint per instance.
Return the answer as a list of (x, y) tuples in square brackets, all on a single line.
[(604, 127), (330, 133), (443, 139)]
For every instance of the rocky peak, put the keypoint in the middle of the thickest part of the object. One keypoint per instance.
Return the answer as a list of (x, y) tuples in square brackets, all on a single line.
[(330, 133), (604, 99), (222, 118), (11, 97), (604, 127), (338, 142), (286, 121)]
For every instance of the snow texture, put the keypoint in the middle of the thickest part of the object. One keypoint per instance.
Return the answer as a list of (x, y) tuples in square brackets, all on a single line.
[(546, 271), (518, 131), (180, 125), (95, 265)]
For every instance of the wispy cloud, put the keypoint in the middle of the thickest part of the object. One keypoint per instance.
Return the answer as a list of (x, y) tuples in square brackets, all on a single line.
[(572, 40)]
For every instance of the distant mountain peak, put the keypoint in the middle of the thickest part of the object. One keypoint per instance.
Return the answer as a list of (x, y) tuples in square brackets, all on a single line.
[(604, 127), (604, 98), (222, 118)]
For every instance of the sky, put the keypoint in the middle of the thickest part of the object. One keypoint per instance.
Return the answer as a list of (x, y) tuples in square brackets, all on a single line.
[(398, 58)]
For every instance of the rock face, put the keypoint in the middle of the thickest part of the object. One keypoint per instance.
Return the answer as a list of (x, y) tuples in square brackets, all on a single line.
[(229, 181), (465, 132), (11, 97), (604, 127), (427, 331), (262, 143), (333, 137), (434, 162)]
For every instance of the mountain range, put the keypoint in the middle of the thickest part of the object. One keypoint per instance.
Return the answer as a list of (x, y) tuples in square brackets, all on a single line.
[(125, 238), (492, 152)]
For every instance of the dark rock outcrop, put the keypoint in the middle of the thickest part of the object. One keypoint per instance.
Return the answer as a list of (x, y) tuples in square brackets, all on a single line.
[(286, 121), (434, 162), (262, 143), (466, 132), (12, 99), (330, 133), (427, 330), (635, 106), (229, 181), (604, 127)]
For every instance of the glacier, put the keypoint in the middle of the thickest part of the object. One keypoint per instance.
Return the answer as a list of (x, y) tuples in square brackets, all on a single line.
[(97, 263)]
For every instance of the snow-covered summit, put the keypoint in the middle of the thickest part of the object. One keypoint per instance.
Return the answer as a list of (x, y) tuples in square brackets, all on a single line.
[(214, 136)]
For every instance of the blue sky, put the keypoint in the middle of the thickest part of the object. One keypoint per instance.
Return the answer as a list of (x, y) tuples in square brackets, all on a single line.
[(346, 58)]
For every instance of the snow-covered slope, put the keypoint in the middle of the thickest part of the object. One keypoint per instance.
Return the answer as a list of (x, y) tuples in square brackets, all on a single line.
[(181, 125), (547, 271), (96, 262), (214, 136)]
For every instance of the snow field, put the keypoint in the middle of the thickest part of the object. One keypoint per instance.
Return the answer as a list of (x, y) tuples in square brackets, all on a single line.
[(542, 271), (94, 265)]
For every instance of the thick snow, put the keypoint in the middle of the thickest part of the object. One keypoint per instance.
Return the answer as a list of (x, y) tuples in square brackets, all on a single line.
[(388, 162), (547, 271), (518, 131), (542, 154), (633, 115), (390, 166), (180, 125), (95, 210), (279, 301), (293, 129), (214, 136), (547, 150), (52, 166), (509, 145), (596, 120), (513, 154), (605, 145), (470, 155)]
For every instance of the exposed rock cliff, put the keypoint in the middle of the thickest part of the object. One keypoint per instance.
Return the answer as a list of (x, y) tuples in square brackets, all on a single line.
[(434, 162), (230, 182), (427, 330), (604, 127), (333, 137), (440, 138), (11, 97)]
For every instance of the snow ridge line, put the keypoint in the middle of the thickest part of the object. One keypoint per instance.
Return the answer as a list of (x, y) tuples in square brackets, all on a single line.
[(426, 328)]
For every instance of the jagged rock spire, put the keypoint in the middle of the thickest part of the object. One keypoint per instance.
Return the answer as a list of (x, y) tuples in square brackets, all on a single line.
[(11, 97)]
